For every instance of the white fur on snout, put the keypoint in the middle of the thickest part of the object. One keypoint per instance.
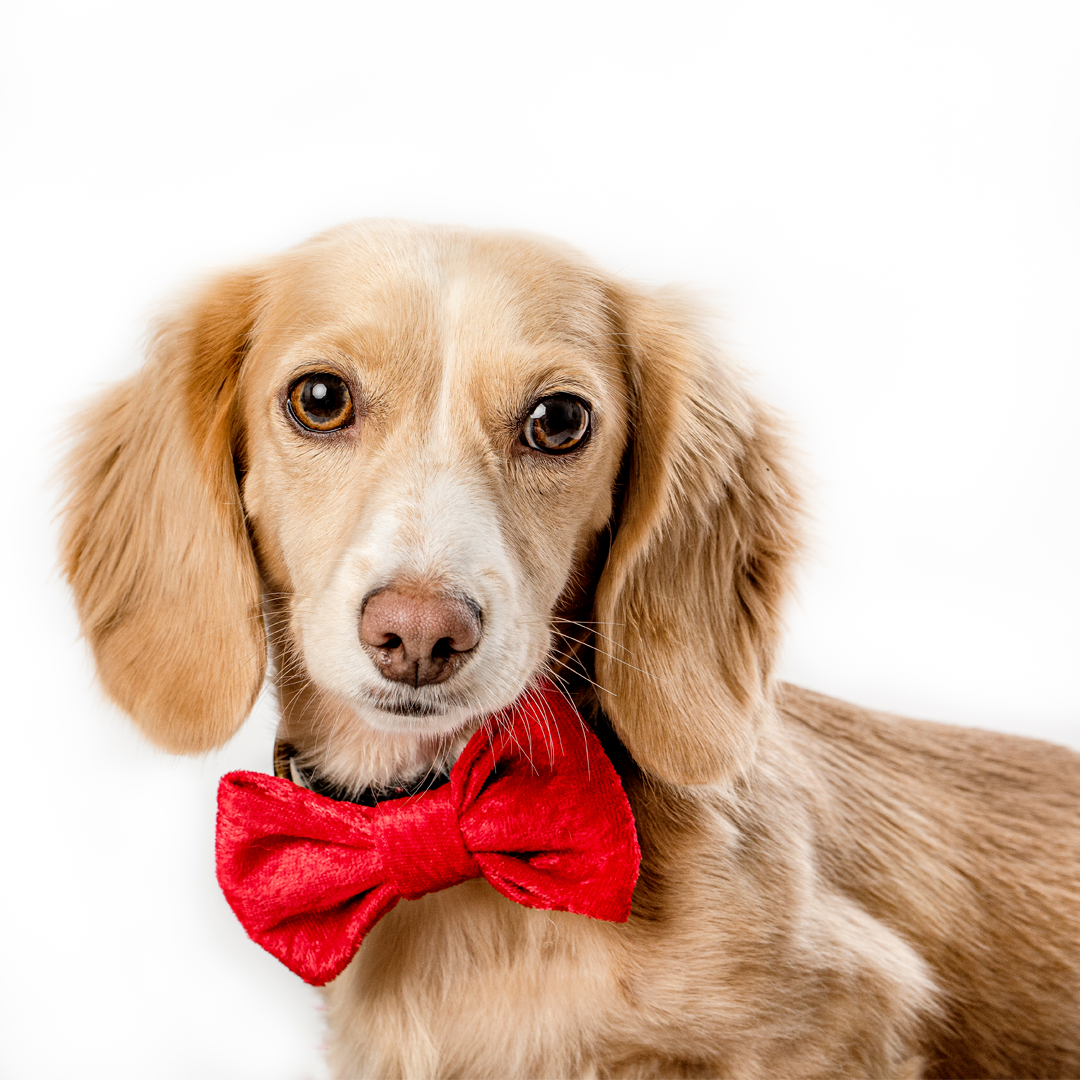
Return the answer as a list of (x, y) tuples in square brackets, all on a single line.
[(442, 529)]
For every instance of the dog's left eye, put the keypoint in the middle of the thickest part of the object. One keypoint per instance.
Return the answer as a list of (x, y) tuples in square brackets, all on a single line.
[(556, 424)]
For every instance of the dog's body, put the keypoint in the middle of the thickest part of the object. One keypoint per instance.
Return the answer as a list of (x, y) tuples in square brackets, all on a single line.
[(852, 907), (443, 463)]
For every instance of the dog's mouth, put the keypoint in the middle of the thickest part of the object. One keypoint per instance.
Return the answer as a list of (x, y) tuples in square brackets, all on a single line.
[(411, 708), (417, 704)]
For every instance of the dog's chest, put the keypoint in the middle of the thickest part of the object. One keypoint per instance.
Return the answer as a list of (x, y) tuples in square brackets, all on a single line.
[(464, 982)]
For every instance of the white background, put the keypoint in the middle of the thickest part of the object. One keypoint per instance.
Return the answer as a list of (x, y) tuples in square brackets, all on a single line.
[(881, 196)]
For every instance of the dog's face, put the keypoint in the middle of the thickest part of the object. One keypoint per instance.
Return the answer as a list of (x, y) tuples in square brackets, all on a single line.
[(433, 464), (432, 438)]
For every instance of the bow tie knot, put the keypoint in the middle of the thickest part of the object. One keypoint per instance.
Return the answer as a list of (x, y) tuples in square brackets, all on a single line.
[(532, 805), (419, 841)]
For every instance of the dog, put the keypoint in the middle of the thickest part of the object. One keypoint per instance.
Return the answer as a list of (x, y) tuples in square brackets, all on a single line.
[(420, 468)]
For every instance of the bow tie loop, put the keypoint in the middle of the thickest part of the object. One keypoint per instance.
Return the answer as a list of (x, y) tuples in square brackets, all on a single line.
[(420, 845)]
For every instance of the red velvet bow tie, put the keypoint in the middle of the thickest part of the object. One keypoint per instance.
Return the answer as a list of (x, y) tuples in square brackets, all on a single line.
[(533, 805)]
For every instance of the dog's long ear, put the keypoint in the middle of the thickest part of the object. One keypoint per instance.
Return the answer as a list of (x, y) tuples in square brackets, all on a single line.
[(154, 542), (689, 601)]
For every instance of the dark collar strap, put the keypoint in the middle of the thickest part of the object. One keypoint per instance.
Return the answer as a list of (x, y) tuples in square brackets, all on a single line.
[(286, 768)]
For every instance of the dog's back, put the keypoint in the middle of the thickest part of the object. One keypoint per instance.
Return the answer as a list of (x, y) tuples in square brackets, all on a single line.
[(966, 843)]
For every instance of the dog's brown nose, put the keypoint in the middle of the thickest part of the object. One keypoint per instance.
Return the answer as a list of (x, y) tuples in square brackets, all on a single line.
[(418, 640)]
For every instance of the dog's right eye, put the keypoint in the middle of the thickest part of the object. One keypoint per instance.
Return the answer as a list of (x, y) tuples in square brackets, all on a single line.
[(321, 402)]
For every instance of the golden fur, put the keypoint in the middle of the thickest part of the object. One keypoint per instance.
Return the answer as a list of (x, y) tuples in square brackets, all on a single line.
[(825, 892)]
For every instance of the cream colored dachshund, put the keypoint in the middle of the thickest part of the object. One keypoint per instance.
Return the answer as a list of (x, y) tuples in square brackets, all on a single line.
[(417, 469)]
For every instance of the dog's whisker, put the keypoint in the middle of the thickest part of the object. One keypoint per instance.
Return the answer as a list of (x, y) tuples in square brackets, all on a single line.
[(581, 674), (561, 687), (591, 627), (548, 722), (634, 667)]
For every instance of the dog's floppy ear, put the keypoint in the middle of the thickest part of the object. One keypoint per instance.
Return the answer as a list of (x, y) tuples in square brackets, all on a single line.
[(689, 601), (154, 541)]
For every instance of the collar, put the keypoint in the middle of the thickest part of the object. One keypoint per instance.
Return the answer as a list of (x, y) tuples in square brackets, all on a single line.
[(285, 768)]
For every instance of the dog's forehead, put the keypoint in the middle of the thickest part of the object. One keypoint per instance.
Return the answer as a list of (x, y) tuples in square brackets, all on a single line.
[(419, 290)]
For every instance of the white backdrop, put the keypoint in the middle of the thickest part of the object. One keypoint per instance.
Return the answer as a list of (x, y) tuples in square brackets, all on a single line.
[(881, 197)]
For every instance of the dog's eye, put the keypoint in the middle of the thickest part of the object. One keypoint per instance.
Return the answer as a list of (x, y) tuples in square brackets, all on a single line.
[(556, 424), (321, 402)]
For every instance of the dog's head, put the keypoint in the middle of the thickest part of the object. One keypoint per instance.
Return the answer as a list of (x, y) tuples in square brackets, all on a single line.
[(421, 467)]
